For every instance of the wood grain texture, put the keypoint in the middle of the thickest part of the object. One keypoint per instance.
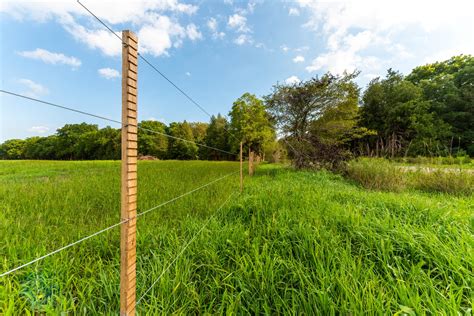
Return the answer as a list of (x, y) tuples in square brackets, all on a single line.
[(129, 175)]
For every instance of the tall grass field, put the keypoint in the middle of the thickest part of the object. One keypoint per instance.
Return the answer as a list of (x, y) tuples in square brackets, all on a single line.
[(294, 242)]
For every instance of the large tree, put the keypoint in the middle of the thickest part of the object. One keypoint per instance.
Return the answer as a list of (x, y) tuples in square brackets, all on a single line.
[(182, 146), (152, 139), (251, 124), (314, 116), (217, 137), (396, 110), (69, 144), (449, 87), (12, 149)]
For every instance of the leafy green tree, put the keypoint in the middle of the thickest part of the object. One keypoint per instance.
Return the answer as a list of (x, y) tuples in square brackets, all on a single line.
[(41, 147), (251, 124), (315, 117), (296, 106), (183, 148), (109, 143), (12, 149), (217, 137), (152, 143), (396, 110), (449, 87), (69, 140), (103, 144), (199, 131), (339, 124)]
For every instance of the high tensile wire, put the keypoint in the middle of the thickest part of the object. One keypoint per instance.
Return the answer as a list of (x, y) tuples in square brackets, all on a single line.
[(186, 95), (184, 248), (114, 225), (112, 120)]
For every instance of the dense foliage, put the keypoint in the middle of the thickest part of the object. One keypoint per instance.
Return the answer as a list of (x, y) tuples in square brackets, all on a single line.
[(88, 142), (317, 118), (430, 112), (321, 122)]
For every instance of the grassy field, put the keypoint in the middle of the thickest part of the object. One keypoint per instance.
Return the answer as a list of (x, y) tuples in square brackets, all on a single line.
[(293, 242)]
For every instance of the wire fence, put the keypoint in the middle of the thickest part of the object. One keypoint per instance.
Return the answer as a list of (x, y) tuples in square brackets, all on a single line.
[(113, 121), (122, 126)]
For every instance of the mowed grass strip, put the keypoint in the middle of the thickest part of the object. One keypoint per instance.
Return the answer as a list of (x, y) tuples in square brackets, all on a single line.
[(293, 242)]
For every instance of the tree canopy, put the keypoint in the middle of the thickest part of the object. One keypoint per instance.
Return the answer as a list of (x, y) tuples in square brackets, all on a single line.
[(251, 124), (320, 122), (448, 86)]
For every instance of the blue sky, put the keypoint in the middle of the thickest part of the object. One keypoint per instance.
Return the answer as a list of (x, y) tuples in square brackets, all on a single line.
[(214, 50)]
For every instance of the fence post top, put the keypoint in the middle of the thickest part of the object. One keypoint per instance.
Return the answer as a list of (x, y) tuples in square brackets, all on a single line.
[(130, 34)]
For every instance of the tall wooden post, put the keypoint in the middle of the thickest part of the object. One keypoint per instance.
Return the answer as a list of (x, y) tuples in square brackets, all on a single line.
[(128, 231), (241, 171)]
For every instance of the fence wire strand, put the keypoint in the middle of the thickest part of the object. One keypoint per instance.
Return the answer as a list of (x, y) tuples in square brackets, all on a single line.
[(113, 121), (114, 225), (186, 95), (184, 248)]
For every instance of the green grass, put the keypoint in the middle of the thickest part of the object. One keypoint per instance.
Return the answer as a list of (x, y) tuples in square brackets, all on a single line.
[(382, 174), (293, 242)]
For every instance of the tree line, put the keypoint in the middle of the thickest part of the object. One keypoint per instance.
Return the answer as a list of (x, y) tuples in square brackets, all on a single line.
[(327, 120), (320, 122), (178, 140)]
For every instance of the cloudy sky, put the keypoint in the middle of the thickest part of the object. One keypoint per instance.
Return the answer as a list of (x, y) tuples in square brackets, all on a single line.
[(214, 50)]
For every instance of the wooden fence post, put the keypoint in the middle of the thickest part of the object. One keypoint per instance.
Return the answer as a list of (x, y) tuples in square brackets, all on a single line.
[(250, 162), (241, 171), (129, 175)]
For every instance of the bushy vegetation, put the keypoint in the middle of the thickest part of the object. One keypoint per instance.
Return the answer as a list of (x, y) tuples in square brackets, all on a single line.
[(218, 140), (458, 161), (444, 180), (376, 174), (429, 112), (295, 242), (321, 123), (381, 174)]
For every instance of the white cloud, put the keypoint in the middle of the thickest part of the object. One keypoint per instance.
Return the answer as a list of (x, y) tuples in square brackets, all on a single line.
[(298, 59), (292, 80), (212, 24), (95, 39), (213, 27), (249, 9), (188, 74), (33, 89), (108, 73), (193, 32), (218, 35), (161, 35), (38, 129), (239, 23), (243, 39), (370, 35), (51, 58), (294, 12), (161, 17), (284, 48), (301, 49), (122, 11), (251, 6)]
